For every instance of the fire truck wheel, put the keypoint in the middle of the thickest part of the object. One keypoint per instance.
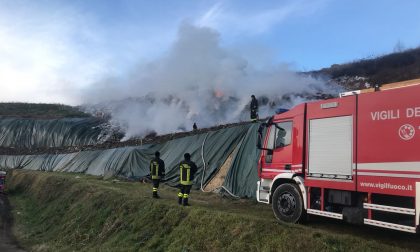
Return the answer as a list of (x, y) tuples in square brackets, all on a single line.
[(287, 203)]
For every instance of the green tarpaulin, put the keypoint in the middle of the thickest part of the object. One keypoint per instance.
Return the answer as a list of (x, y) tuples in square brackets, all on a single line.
[(40, 133), (213, 147), (242, 177)]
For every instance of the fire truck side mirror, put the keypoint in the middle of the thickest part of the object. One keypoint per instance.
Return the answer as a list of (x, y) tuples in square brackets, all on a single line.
[(259, 145), (260, 135)]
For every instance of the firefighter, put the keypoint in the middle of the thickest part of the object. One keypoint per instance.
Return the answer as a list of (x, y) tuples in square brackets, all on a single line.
[(186, 177), (157, 172), (195, 127), (254, 109)]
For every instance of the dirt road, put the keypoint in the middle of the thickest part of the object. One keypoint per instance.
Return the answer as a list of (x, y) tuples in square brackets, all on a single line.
[(7, 241)]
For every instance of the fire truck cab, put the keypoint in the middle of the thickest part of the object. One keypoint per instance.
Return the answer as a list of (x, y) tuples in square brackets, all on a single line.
[(354, 158)]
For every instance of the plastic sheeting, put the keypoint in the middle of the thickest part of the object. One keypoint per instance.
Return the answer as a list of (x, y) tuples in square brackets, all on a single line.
[(215, 147), (40, 133), (212, 147), (242, 176)]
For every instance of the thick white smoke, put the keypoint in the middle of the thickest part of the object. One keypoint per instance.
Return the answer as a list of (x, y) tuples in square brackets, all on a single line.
[(196, 81)]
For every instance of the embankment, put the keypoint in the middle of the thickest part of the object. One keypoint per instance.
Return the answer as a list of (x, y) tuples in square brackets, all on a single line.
[(63, 212), (209, 150)]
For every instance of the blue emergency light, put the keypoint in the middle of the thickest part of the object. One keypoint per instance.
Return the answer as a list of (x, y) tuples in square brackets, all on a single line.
[(281, 110)]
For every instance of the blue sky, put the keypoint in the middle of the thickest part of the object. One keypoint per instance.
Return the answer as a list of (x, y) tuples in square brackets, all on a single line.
[(49, 49)]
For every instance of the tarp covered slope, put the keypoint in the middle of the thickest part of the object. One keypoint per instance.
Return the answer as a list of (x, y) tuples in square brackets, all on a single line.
[(242, 177), (212, 147), (42, 133)]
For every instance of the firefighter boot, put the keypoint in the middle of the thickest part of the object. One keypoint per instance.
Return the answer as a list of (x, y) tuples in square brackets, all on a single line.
[(180, 198), (155, 193), (185, 200)]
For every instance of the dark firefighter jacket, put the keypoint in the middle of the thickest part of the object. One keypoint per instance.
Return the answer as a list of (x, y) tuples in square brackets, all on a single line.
[(254, 104), (187, 172), (157, 168)]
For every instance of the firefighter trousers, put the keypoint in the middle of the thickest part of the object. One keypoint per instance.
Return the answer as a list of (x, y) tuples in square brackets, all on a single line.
[(183, 194), (155, 183), (254, 115)]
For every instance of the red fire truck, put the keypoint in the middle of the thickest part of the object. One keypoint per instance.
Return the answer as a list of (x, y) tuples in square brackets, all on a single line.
[(354, 158)]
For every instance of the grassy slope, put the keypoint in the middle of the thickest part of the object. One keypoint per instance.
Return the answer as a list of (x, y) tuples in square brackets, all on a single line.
[(394, 67), (77, 212)]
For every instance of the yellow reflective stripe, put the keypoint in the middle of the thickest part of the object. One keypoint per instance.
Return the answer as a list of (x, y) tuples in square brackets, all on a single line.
[(155, 189), (185, 174), (154, 168), (180, 195), (185, 196), (186, 183)]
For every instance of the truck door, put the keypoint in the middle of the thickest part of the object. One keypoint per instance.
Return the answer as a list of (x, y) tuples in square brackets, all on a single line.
[(279, 159)]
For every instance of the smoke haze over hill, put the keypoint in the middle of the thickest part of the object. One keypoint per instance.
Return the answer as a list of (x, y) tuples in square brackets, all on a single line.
[(197, 80)]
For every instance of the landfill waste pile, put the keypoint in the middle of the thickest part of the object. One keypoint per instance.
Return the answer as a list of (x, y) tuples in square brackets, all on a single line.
[(77, 145)]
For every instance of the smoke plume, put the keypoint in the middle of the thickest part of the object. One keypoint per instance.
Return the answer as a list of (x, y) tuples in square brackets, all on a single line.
[(197, 80)]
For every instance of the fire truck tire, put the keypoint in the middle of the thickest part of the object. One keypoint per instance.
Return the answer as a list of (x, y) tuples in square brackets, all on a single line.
[(287, 203)]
